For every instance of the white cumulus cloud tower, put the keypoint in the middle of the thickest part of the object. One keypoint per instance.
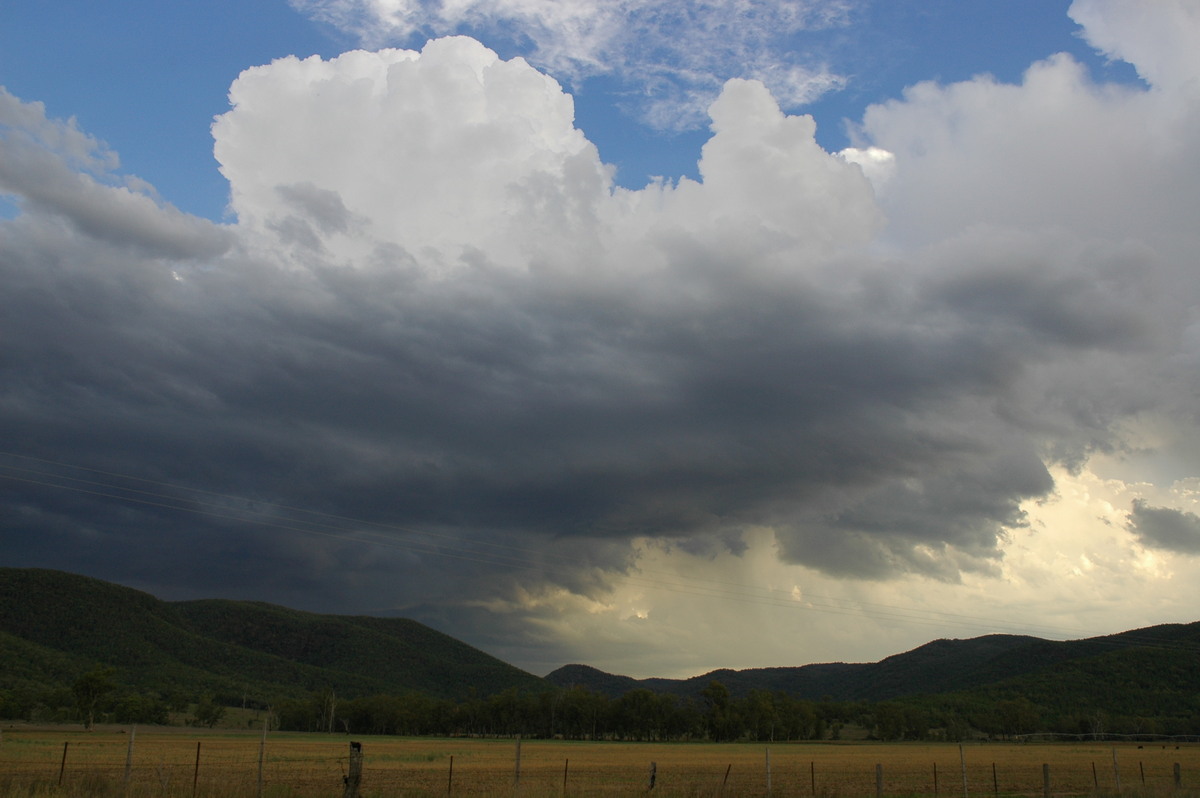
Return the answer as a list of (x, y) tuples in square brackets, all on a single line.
[(452, 155), (440, 152)]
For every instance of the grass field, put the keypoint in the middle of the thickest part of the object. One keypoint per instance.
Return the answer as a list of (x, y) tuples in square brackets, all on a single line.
[(163, 762)]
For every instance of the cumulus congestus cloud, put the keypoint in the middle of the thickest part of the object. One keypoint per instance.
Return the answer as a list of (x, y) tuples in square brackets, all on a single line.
[(673, 362), (515, 346)]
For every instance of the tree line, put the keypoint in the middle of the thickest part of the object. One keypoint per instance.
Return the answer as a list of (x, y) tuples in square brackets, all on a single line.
[(577, 713), (760, 715), (97, 696)]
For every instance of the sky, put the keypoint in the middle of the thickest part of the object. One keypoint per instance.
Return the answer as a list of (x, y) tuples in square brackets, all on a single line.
[(657, 336)]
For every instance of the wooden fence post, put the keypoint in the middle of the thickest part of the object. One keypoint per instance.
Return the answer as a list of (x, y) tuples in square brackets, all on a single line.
[(566, 764), (196, 772), (1046, 780), (517, 764), (1178, 775), (995, 782), (653, 774), (724, 780), (262, 755), (63, 765), (354, 774), (768, 773), (129, 755), (812, 775), (450, 778), (1116, 769), (962, 758), (878, 780), (935, 784)]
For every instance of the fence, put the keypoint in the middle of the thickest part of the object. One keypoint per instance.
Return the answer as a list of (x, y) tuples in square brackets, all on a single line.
[(179, 764)]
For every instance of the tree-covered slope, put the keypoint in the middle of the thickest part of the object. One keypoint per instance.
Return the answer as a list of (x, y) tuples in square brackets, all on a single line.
[(55, 626), (397, 653), (1144, 673), (1162, 658), (54, 623), (595, 680)]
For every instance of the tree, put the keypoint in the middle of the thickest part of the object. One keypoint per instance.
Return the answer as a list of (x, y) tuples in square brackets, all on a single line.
[(582, 711), (889, 721), (208, 712), (761, 715), (717, 711), (89, 688), (957, 728), (136, 708), (1016, 716), (638, 715)]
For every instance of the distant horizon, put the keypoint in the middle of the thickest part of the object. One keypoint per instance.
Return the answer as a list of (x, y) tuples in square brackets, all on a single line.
[(697, 675)]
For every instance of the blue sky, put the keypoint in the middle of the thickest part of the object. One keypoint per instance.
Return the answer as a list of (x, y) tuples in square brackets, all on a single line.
[(411, 331), (148, 78)]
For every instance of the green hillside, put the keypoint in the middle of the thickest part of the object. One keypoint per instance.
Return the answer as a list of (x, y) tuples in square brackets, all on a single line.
[(54, 626), (396, 676), (1148, 679), (394, 655), (1141, 667), (1142, 683)]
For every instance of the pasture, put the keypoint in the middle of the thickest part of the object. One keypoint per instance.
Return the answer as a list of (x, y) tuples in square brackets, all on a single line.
[(170, 762)]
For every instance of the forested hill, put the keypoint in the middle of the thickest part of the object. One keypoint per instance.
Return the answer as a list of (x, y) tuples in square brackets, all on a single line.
[(1006, 665), (55, 626)]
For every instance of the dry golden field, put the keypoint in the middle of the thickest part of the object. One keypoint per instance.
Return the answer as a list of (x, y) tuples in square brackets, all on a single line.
[(170, 762)]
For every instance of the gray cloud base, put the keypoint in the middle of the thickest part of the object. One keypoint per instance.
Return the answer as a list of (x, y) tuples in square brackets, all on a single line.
[(1165, 528)]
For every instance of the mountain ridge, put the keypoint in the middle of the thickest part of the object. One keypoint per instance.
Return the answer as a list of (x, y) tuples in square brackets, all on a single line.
[(71, 622), (55, 626), (937, 667)]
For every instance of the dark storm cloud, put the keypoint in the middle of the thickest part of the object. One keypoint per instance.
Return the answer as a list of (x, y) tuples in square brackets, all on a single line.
[(1165, 528), (504, 376), (496, 411)]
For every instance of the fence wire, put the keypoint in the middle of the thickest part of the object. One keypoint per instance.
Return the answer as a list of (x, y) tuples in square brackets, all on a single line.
[(175, 766)]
